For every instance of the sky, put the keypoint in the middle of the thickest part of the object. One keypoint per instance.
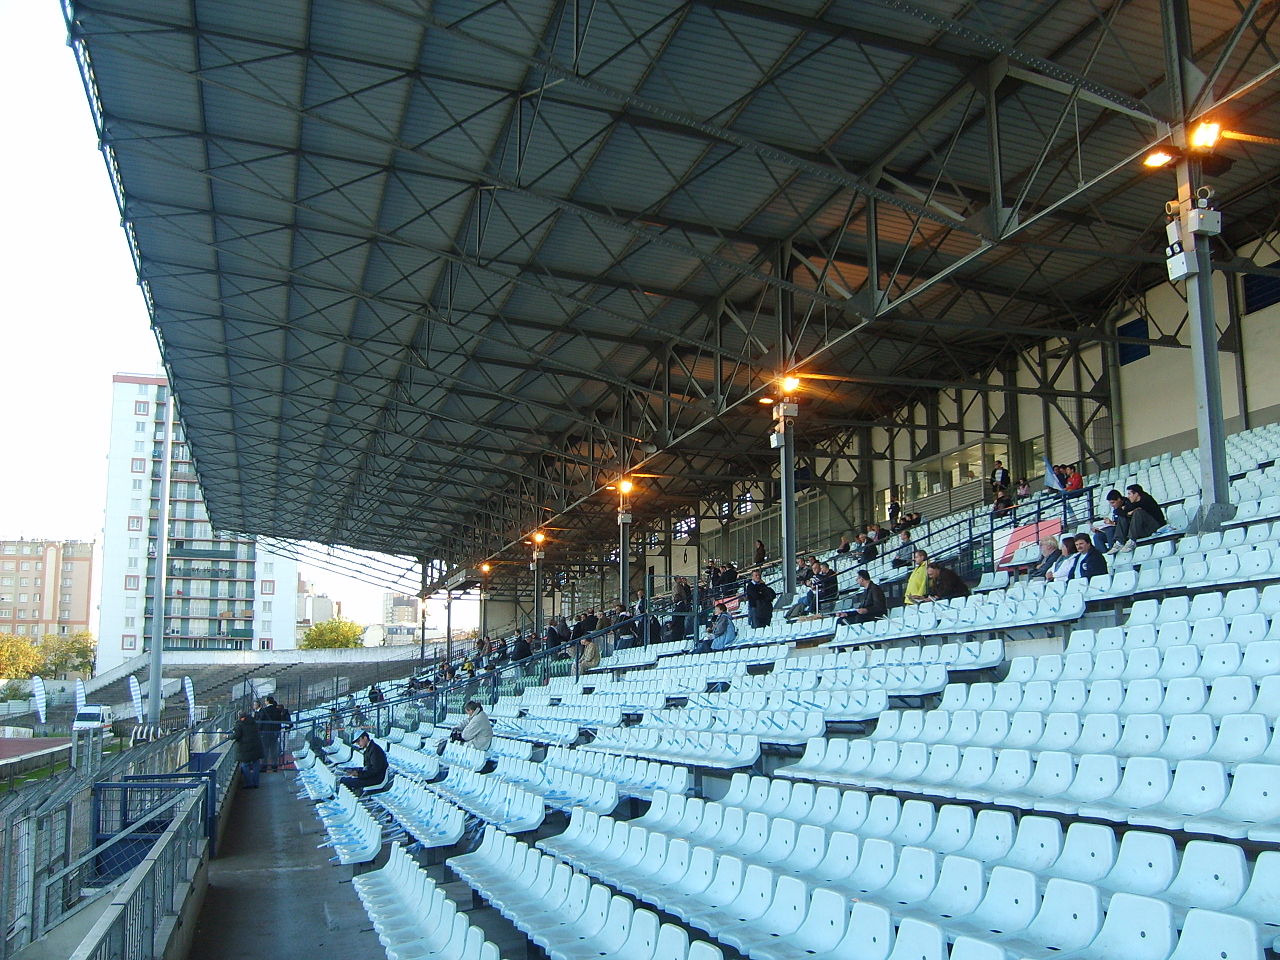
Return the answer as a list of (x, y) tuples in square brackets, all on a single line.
[(73, 313)]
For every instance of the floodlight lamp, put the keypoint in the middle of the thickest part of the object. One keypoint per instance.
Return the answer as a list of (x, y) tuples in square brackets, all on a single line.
[(539, 537), (1159, 157), (790, 385), (765, 400), (484, 568), (1205, 135), (626, 486)]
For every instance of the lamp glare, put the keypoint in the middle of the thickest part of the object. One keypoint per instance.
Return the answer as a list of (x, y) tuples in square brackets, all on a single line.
[(790, 385), (626, 486), (1157, 158), (1206, 135)]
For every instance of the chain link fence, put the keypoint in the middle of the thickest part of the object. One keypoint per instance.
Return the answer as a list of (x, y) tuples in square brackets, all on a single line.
[(47, 827)]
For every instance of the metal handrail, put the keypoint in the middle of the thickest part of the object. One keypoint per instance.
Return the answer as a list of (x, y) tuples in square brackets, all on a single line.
[(154, 890)]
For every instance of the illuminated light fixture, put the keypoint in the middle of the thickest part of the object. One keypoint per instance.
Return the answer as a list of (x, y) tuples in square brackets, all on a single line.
[(539, 537), (790, 385), (1249, 137), (765, 400), (484, 568), (1205, 135), (626, 486), (1160, 157)]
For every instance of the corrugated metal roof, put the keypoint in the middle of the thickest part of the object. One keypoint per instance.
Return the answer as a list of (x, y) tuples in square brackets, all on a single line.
[(424, 274)]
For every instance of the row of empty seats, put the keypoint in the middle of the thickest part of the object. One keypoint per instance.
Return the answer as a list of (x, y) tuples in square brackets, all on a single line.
[(994, 613), (770, 726), (1199, 796), (566, 914), (559, 788), (635, 778), (432, 820), (413, 917), (696, 748), (1256, 659), (505, 805), (833, 705), (960, 655), (353, 833), (750, 879)]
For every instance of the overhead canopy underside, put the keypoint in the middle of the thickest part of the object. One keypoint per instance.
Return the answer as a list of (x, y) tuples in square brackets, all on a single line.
[(427, 275)]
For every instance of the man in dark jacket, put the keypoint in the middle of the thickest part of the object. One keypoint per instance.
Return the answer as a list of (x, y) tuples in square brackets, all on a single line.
[(374, 770), (827, 586), (945, 583), (760, 597), (271, 720), (520, 649), (871, 605), (248, 743), (1140, 516), (1089, 563)]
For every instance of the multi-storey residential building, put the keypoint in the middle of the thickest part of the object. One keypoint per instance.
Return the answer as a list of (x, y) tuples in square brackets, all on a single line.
[(399, 608), (313, 608), (223, 592), (45, 586)]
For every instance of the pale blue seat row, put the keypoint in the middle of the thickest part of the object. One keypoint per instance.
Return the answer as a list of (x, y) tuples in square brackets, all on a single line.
[(413, 917), (750, 878), (566, 914)]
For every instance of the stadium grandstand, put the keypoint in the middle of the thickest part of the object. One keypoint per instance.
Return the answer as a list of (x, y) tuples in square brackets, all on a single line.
[(756, 361)]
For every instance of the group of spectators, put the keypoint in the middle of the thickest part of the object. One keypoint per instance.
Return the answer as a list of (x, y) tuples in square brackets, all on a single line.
[(257, 738), (1133, 515), (1004, 491)]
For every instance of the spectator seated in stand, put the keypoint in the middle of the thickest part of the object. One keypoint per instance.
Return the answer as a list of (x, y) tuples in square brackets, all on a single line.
[(917, 588), (1140, 516), (871, 605), (805, 602), (1003, 505), (1089, 561), (1106, 529), (945, 583), (373, 774), (902, 553), (1050, 554), (1061, 570), (721, 632)]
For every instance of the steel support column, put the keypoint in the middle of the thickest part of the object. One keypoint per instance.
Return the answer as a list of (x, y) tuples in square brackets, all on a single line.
[(424, 591), (1185, 82), (784, 436), (448, 619), (537, 592), (624, 544), (161, 580), (1111, 350)]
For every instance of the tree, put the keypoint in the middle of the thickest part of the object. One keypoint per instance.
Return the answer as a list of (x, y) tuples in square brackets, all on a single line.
[(63, 654), (332, 635), (19, 657)]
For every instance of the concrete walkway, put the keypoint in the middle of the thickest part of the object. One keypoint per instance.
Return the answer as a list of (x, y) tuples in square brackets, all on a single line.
[(272, 893)]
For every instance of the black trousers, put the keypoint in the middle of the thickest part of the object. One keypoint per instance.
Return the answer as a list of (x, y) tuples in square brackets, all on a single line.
[(1135, 526)]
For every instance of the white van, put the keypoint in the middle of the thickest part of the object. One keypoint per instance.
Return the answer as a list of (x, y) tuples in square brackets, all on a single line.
[(93, 716)]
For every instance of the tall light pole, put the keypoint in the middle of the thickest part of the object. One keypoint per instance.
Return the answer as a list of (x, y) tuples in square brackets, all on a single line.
[(625, 487), (783, 439), (484, 599), (155, 699), (538, 553), (422, 631), (448, 621), (424, 591)]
